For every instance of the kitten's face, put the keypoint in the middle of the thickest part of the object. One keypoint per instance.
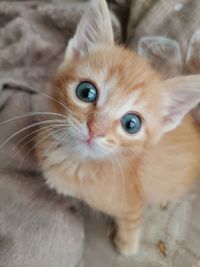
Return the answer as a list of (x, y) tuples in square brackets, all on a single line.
[(114, 103)]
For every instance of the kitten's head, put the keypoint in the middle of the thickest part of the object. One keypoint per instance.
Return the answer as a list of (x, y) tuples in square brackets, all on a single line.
[(115, 102)]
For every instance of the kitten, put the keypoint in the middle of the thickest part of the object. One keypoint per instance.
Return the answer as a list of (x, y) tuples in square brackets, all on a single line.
[(123, 136)]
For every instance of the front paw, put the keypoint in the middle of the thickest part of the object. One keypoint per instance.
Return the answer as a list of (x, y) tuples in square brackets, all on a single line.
[(127, 247)]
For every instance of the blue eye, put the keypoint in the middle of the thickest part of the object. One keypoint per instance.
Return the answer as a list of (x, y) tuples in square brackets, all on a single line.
[(86, 92), (131, 123)]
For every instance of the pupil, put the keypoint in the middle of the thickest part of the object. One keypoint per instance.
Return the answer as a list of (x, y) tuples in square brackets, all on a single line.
[(88, 93), (85, 92)]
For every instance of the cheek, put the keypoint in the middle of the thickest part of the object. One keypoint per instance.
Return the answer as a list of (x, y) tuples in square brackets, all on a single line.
[(148, 136), (117, 140), (112, 141), (80, 116), (127, 138), (128, 143)]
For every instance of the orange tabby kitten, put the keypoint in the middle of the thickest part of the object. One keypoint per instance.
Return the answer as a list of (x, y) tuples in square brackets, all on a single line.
[(123, 137)]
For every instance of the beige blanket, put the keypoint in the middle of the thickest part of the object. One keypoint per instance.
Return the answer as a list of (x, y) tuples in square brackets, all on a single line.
[(38, 228)]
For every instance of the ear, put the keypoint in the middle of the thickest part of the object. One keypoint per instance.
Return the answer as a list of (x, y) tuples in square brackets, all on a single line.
[(94, 28), (183, 95)]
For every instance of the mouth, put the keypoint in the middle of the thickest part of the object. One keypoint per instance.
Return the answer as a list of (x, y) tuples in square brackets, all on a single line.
[(89, 144), (89, 141), (90, 148)]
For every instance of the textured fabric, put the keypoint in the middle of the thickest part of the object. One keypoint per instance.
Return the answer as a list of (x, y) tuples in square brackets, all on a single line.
[(37, 228)]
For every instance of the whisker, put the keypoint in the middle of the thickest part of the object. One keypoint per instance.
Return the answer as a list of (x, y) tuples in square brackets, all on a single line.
[(76, 124), (122, 179), (43, 131), (26, 128), (32, 114), (113, 180), (49, 127), (62, 137), (11, 85), (33, 132), (29, 151)]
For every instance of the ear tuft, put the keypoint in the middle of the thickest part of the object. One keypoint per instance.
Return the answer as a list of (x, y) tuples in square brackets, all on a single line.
[(94, 28), (183, 96)]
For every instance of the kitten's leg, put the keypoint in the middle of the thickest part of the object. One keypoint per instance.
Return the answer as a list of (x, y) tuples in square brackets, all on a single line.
[(127, 237)]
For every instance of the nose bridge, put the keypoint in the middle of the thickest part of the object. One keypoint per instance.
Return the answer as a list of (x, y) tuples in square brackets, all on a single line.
[(98, 123)]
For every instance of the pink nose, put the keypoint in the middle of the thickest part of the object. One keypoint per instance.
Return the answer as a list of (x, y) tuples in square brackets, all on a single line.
[(94, 131)]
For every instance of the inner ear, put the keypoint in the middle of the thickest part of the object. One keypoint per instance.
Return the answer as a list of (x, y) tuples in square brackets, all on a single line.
[(183, 94), (94, 28)]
